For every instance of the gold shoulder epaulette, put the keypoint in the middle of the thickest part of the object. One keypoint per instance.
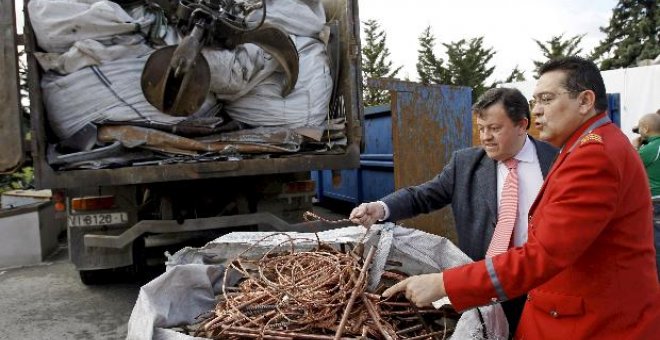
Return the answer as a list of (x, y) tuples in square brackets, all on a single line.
[(591, 138)]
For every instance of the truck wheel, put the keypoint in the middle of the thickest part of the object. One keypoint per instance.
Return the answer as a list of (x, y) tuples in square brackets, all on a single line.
[(93, 277)]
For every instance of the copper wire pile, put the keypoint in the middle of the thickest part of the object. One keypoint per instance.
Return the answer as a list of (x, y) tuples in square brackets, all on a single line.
[(317, 294)]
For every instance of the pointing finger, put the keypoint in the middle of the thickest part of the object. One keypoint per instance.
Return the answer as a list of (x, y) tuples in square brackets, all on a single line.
[(399, 287)]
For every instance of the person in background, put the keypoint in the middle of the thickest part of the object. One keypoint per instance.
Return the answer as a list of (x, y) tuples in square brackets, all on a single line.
[(490, 188), (648, 146), (588, 267)]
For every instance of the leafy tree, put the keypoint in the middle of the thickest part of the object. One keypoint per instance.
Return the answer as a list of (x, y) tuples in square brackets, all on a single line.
[(376, 63), (633, 34), (429, 67), (557, 47), (467, 64), (21, 179)]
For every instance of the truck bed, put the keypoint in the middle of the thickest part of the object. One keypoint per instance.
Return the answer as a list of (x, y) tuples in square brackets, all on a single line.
[(349, 88)]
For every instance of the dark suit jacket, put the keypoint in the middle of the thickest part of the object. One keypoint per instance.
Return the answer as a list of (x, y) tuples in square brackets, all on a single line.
[(469, 184)]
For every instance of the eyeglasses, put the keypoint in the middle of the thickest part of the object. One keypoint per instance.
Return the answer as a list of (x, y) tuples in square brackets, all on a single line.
[(546, 98)]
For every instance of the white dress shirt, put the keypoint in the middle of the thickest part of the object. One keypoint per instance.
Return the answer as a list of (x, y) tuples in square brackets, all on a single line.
[(530, 180)]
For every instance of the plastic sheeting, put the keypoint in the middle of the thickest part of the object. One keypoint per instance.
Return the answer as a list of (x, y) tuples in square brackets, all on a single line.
[(58, 24), (309, 16), (188, 287), (307, 105), (107, 93), (89, 52), (175, 298), (81, 33), (259, 102), (235, 72)]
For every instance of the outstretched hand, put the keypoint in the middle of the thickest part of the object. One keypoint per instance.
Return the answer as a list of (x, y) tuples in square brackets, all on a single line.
[(421, 290), (366, 214)]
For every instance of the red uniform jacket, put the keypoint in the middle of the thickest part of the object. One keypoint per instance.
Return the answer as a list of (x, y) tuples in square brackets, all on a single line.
[(589, 261)]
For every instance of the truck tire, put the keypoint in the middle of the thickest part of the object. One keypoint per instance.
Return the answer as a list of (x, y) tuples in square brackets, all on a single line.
[(104, 276), (93, 277)]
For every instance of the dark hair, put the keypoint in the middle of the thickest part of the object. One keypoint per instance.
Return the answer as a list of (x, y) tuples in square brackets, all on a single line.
[(581, 75), (513, 101)]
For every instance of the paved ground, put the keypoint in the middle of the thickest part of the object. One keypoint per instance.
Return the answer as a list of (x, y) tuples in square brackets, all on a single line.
[(49, 301)]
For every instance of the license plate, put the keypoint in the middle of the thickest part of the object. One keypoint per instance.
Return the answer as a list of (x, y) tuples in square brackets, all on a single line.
[(97, 219)]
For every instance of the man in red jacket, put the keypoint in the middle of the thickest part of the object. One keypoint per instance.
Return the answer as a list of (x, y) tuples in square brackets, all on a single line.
[(589, 261)]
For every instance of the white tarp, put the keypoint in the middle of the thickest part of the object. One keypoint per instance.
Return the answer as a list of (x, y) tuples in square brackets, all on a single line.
[(81, 33), (89, 52), (107, 93), (309, 16), (58, 24), (190, 283), (235, 72), (306, 105), (263, 105), (639, 88)]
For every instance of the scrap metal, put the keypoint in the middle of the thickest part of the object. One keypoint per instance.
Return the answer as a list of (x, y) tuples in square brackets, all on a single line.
[(319, 295), (176, 79)]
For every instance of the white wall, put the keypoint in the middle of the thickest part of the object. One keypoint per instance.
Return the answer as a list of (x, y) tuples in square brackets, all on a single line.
[(20, 243), (639, 88), (28, 234)]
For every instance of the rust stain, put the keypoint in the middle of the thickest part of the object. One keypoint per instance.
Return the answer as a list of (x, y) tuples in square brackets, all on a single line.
[(429, 123)]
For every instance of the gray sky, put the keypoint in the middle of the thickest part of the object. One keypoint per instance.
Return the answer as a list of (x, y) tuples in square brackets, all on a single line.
[(507, 25), (19, 15)]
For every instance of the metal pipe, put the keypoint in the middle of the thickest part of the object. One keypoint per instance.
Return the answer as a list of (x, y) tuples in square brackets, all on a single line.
[(354, 294), (371, 309), (291, 334)]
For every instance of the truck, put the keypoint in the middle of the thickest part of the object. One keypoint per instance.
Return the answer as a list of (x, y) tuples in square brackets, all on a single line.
[(114, 216)]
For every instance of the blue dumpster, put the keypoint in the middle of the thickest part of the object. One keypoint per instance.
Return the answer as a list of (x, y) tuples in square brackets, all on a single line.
[(374, 179), (614, 108), (437, 116)]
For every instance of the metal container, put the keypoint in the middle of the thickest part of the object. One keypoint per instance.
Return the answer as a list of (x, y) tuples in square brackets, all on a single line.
[(374, 178), (425, 125)]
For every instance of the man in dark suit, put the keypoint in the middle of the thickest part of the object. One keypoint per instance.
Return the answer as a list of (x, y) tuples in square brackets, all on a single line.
[(473, 182)]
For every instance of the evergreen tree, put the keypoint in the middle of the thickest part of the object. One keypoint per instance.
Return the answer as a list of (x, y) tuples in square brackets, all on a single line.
[(633, 34), (558, 47), (467, 64), (429, 67), (516, 75), (375, 63)]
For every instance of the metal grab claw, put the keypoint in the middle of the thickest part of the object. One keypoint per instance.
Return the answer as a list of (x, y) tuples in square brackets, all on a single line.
[(182, 88), (176, 79)]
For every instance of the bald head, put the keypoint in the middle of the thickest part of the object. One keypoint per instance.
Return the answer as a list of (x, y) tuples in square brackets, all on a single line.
[(649, 125)]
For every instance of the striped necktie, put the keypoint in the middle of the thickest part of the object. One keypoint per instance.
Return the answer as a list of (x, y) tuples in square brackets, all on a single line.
[(508, 211)]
